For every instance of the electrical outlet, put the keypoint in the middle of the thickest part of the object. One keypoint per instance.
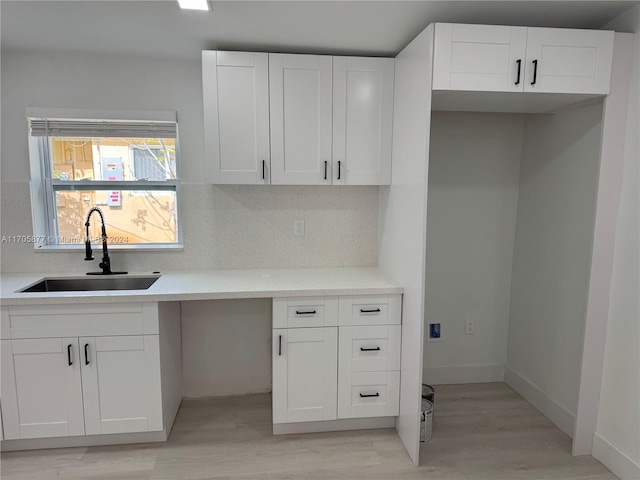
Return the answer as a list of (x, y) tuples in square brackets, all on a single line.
[(298, 228), (435, 331), (470, 326)]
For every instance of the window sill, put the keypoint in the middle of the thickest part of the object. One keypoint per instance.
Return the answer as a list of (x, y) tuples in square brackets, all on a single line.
[(155, 247)]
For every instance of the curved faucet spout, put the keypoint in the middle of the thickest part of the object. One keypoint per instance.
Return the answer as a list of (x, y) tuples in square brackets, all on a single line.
[(105, 265)]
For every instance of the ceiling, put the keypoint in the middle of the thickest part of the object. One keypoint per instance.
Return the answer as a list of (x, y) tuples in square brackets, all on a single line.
[(160, 28)]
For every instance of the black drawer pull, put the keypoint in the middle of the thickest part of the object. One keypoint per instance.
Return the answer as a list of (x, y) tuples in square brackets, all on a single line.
[(519, 62), (325, 169), (86, 354), (310, 312), (535, 72), (69, 355), (339, 170), (279, 345), (375, 310), (368, 395), (264, 168), (369, 349)]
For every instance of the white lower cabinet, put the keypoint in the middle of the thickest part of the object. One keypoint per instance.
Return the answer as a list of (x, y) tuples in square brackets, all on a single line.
[(121, 384), (305, 366), (370, 394), (41, 388), (322, 371), (84, 385)]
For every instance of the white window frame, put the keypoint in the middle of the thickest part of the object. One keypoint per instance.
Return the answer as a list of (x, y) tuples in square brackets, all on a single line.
[(42, 182)]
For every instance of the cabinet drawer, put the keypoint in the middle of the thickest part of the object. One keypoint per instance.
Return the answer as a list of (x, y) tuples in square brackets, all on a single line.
[(50, 321), (375, 394), (300, 312), (369, 349), (370, 310)]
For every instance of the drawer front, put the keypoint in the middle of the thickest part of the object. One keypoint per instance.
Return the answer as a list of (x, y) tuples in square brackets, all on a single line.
[(374, 394), (95, 320), (301, 312), (370, 310), (369, 349)]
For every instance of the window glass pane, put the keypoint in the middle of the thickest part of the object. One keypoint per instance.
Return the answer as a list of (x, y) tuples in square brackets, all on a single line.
[(131, 216), (104, 158)]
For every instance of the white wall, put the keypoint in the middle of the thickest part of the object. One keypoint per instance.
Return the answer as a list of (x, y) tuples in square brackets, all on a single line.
[(474, 166), (232, 358), (551, 262), (617, 438)]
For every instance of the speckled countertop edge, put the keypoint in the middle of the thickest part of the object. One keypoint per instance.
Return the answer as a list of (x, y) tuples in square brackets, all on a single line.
[(212, 285)]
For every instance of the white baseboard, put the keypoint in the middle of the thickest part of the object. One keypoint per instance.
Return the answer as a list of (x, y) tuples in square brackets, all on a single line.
[(616, 461), (559, 415), (83, 441), (334, 425), (463, 374)]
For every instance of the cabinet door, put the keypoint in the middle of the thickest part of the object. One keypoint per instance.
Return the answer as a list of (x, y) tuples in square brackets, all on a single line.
[(362, 120), (236, 116), (301, 103), (305, 374), (568, 61), (121, 384), (479, 57), (41, 388)]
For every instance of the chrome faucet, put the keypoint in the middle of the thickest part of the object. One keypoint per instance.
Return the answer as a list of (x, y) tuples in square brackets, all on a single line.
[(105, 265)]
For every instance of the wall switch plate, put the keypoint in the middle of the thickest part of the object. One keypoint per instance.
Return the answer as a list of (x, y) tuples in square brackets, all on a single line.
[(298, 228), (470, 326), (434, 331)]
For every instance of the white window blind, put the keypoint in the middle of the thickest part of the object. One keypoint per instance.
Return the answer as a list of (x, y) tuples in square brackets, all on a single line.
[(84, 128)]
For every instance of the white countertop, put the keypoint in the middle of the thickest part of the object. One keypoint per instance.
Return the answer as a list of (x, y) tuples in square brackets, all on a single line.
[(214, 284)]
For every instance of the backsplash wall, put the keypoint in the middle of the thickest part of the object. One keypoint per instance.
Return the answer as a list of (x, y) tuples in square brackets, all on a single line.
[(225, 226)]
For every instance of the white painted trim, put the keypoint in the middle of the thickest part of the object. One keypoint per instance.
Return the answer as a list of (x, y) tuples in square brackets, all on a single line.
[(551, 409), (463, 374), (334, 425), (622, 466), (82, 441), (606, 215)]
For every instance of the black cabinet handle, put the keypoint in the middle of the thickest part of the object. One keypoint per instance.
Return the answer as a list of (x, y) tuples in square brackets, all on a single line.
[(310, 312), (535, 72), (325, 169), (339, 169), (368, 395), (279, 345), (264, 169), (376, 310), (519, 62), (366, 349), (69, 355), (86, 354)]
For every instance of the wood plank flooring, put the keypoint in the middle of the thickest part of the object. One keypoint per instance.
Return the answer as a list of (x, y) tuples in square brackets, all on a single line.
[(481, 431)]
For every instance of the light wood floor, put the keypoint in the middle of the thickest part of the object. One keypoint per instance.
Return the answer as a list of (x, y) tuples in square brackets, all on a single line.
[(482, 431)]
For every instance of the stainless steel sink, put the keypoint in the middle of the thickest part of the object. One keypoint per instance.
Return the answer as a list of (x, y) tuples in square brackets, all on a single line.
[(91, 284)]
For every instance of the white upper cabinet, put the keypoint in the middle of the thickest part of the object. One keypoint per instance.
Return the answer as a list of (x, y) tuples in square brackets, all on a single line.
[(362, 120), (568, 61), (493, 58), (479, 57), (236, 116), (300, 89), (282, 119)]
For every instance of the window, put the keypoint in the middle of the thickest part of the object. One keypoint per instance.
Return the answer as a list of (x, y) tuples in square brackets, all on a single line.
[(127, 168)]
